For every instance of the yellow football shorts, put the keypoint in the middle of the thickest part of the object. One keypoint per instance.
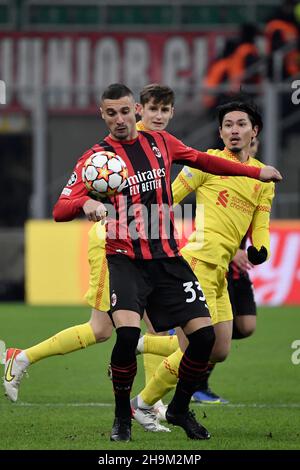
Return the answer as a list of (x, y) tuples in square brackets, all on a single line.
[(97, 295), (213, 282)]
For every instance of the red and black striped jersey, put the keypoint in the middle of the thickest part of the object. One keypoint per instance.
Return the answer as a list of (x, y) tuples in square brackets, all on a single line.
[(140, 223)]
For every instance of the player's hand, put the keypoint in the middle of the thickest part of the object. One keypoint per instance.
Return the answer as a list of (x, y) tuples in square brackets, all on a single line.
[(269, 173), (94, 210), (241, 260), (256, 256)]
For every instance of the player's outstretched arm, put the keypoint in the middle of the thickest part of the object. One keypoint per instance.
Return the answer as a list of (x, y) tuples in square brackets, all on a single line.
[(269, 173), (189, 156)]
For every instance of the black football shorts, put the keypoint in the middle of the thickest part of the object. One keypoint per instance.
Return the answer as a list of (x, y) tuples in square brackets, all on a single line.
[(166, 288), (241, 295)]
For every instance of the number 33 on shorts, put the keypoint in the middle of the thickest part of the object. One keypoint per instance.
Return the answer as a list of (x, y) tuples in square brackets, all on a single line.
[(192, 288)]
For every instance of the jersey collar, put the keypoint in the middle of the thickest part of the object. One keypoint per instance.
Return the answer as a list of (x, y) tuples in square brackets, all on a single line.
[(232, 156)]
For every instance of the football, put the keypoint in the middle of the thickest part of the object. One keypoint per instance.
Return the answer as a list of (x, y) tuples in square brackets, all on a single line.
[(105, 172)]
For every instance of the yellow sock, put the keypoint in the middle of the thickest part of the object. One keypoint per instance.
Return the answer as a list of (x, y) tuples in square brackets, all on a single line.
[(160, 345), (71, 339), (163, 380), (151, 363)]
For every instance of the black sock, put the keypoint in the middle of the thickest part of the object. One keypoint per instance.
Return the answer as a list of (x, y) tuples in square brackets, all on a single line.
[(123, 366), (203, 384), (192, 368)]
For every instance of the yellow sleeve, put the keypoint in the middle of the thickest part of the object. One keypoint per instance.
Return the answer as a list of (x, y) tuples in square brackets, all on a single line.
[(187, 181), (261, 219)]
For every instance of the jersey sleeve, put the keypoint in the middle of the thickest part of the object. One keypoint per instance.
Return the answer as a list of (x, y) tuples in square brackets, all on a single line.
[(180, 153), (73, 195), (187, 181), (260, 231)]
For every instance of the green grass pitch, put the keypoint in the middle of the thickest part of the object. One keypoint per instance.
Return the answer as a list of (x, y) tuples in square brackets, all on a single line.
[(67, 401)]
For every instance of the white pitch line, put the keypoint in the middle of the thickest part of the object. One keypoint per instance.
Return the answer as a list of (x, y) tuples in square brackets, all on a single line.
[(261, 405), (95, 405), (59, 405)]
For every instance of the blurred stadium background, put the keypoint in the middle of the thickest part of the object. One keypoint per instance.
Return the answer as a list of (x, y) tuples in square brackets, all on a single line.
[(56, 57)]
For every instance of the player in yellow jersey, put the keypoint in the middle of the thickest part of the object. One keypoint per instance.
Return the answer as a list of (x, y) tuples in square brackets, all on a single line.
[(156, 109), (226, 209), (243, 306)]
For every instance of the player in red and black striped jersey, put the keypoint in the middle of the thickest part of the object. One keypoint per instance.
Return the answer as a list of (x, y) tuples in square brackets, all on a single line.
[(146, 270)]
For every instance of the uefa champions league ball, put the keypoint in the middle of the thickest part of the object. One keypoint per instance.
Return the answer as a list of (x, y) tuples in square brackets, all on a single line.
[(105, 173)]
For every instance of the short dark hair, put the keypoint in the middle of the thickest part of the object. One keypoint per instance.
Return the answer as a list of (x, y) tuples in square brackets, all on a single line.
[(247, 107), (116, 91), (160, 94)]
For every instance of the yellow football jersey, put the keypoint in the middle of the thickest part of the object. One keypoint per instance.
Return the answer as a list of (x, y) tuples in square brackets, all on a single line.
[(226, 207), (97, 235)]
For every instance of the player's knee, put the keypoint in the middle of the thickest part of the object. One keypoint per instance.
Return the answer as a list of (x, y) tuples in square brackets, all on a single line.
[(220, 351), (102, 335), (102, 327), (247, 331), (243, 328), (127, 339), (203, 338), (182, 339), (219, 356), (123, 352)]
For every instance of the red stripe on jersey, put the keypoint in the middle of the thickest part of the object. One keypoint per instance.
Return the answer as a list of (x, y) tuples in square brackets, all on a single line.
[(169, 189), (153, 161), (121, 228), (136, 200)]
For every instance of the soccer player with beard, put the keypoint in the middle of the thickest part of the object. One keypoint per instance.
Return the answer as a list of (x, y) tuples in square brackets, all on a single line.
[(156, 108)]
